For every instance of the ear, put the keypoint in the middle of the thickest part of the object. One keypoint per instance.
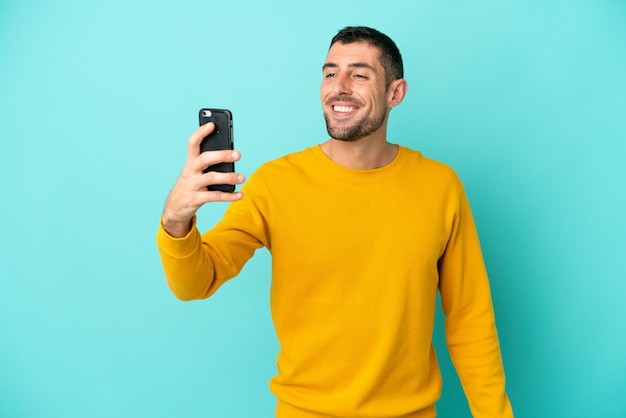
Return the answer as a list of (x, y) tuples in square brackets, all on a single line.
[(396, 92)]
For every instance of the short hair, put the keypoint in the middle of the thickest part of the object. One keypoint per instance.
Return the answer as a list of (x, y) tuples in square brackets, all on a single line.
[(390, 57)]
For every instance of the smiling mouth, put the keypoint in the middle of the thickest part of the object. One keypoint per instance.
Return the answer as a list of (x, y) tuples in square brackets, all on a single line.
[(344, 109)]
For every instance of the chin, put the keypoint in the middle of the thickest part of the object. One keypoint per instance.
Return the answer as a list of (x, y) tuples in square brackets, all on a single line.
[(347, 134), (344, 135), (356, 130), (345, 138)]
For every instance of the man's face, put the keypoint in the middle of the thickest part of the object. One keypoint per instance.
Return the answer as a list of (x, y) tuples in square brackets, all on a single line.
[(353, 91)]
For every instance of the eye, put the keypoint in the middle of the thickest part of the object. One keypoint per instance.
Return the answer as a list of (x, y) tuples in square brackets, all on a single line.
[(361, 76), (329, 75)]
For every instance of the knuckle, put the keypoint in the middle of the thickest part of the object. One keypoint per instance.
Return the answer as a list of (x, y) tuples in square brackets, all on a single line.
[(216, 196)]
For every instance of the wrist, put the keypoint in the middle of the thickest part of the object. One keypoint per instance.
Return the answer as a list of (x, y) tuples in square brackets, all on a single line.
[(176, 228)]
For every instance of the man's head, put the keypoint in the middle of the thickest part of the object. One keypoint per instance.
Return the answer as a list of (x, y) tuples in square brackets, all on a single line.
[(390, 57), (362, 81)]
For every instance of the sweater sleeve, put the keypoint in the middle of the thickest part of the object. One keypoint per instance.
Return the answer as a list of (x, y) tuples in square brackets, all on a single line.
[(196, 265), (470, 321)]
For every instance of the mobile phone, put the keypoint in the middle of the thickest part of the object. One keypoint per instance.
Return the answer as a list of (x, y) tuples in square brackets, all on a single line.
[(220, 139)]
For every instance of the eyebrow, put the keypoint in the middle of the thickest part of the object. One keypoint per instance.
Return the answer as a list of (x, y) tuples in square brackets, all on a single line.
[(352, 65)]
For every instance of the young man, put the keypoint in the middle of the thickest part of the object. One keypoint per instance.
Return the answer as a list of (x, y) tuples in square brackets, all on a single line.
[(363, 233)]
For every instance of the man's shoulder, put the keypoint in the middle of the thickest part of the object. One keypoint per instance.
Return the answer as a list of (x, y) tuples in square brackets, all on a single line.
[(417, 159), (292, 159)]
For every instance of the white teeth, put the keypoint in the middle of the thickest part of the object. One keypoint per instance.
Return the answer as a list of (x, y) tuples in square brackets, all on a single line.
[(344, 109)]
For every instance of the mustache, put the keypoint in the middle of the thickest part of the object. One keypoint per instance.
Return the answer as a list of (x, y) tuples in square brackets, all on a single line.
[(345, 100)]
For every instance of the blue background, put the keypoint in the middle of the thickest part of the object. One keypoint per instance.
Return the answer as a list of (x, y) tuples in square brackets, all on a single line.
[(525, 99)]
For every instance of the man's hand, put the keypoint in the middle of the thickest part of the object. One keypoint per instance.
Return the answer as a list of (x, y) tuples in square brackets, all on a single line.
[(190, 191)]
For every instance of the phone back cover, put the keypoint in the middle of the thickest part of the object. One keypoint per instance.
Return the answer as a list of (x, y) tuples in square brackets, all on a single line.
[(221, 138)]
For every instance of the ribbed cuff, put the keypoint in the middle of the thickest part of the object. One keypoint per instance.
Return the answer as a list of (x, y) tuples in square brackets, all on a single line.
[(179, 247)]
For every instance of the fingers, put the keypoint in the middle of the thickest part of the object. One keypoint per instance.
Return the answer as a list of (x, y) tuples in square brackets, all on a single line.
[(190, 193), (208, 196), (216, 177), (217, 196), (193, 144), (208, 158)]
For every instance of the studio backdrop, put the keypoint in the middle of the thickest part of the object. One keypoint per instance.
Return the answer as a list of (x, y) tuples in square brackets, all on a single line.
[(526, 100)]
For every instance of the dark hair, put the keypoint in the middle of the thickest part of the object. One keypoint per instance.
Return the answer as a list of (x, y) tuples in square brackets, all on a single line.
[(390, 57)]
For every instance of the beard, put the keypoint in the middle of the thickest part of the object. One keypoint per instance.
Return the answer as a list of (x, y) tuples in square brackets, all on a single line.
[(355, 130)]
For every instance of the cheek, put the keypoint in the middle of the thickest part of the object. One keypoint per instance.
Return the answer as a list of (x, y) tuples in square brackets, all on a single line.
[(325, 89), (377, 92), (379, 98)]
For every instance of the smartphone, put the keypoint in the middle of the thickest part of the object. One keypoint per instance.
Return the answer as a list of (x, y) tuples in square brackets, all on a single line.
[(220, 139)]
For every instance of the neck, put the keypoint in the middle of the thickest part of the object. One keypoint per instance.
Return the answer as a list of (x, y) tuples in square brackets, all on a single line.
[(363, 154)]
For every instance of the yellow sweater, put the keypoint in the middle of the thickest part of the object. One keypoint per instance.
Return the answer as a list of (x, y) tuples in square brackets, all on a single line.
[(357, 259)]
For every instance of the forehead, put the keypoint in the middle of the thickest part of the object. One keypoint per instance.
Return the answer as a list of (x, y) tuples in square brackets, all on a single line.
[(356, 52)]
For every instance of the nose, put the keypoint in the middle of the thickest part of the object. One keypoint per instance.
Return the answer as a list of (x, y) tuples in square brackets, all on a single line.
[(342, 84)]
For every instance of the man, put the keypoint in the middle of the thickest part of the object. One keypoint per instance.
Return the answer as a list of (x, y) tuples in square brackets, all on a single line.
[(363, 233)]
